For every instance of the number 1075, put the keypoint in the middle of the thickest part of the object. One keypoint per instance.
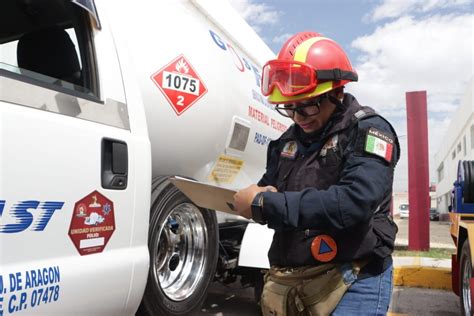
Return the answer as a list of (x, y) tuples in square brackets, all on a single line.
[(180, 82)]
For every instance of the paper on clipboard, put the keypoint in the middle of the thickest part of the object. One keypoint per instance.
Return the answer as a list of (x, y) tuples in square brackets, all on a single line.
[(206, 195)]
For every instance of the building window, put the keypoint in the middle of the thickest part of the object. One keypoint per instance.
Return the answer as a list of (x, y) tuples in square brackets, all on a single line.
[(464, 145), (472, 136), (453, 155), (447, 202), (441, 172)]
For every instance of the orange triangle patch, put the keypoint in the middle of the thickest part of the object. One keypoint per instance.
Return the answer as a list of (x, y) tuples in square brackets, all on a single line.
[(323, 248)]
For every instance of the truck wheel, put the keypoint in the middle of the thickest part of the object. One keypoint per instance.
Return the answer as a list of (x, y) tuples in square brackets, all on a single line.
[(465, 270), (183, 245), (468, 193)]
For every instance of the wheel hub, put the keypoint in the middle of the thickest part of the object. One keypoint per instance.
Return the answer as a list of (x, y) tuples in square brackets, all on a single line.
[(180, 252)]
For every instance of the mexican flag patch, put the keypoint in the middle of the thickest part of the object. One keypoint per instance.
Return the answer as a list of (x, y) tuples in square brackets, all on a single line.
[(380, 144)]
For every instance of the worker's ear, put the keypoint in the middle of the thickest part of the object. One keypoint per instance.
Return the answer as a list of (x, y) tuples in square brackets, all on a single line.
[(339, 93)]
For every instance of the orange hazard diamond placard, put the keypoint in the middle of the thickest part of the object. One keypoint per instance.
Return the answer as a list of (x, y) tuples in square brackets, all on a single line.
[(180, 84)]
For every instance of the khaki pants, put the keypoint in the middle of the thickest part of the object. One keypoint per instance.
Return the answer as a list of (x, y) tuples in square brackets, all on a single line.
[(305, 291)]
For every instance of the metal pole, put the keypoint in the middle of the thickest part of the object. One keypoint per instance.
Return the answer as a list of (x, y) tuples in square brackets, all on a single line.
[(418, 171)]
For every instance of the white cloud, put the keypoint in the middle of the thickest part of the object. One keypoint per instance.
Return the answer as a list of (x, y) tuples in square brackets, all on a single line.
[(397, 8), (256, 14), (433, 54), (280, 39)]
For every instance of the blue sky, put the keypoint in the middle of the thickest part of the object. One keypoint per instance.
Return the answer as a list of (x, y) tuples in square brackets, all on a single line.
[(395, 45), (335, 19)]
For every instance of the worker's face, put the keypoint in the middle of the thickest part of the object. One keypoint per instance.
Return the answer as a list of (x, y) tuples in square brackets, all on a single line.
[(314, 121)]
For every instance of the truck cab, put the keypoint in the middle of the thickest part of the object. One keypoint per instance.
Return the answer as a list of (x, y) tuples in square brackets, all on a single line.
[(72, 154), (100, 103)]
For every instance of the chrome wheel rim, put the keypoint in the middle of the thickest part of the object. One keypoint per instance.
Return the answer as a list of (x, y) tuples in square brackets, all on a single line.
[(180, 252), (466, 287)]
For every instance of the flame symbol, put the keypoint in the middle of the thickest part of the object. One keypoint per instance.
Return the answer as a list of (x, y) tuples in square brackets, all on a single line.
[(181, 66)]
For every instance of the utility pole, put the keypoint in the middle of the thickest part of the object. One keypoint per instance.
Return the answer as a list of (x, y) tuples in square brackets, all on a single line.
[(418, 171)]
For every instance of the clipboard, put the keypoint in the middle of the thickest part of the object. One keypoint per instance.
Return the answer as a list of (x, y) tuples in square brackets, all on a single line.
[(206, 195)]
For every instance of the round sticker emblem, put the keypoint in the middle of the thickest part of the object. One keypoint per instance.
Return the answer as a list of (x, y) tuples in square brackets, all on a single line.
[(323, 248)]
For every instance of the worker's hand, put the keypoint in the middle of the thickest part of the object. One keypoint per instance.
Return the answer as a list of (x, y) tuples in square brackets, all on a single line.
[(243, 199)]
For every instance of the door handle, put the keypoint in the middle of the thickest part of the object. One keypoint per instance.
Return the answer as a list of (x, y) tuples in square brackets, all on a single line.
[(114, 164)]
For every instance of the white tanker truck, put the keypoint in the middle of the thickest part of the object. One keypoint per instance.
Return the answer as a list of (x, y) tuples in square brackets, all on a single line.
[(100, 102)]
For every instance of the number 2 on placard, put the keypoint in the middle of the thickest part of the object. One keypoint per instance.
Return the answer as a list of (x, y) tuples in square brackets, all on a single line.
[(180, 100)]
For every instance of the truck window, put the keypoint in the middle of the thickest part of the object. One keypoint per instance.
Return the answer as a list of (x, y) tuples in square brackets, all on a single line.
[(48, 43)]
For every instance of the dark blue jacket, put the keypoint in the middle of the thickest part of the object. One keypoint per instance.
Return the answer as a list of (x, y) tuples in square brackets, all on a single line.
[(333, 184)]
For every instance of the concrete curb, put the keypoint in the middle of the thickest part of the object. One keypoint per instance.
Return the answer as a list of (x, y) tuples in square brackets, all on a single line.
[(425, 277), (399, 242), (422, 272)]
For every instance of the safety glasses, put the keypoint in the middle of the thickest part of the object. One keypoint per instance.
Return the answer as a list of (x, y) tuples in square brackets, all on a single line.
[(293, 77), (304, 108)]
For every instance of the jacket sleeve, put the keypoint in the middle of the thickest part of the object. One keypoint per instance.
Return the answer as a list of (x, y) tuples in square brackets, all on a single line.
[(364, 182)]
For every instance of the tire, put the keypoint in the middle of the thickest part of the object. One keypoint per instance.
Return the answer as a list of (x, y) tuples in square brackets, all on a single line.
[(465, 274), (183, 244), (468, 192), (469, 184)]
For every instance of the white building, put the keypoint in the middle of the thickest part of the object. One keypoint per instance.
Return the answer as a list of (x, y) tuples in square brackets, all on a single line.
[(399, 198), (457, 144)]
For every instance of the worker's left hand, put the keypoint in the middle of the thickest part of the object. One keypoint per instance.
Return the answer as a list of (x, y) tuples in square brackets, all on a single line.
[(243, 199)]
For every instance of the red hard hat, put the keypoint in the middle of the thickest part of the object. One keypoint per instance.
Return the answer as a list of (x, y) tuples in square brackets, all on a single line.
[(308, 65)]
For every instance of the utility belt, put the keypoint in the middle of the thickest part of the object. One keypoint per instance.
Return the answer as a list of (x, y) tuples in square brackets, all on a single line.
[(307, 291)]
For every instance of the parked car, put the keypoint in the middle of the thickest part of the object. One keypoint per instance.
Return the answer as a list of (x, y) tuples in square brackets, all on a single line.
[(403, 210), (434, 214)]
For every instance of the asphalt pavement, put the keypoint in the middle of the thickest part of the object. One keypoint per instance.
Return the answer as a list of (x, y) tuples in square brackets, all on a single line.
[(232, 300), (424, 302)]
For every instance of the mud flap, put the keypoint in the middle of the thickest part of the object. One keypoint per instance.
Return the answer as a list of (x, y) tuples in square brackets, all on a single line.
[(471, 284), (255, 245), (455, 274)]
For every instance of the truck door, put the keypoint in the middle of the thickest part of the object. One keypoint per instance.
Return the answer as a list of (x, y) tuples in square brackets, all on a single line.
[(72, 238)]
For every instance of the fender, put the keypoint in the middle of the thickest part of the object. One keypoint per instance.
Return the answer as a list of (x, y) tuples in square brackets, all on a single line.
[(255, 245)]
